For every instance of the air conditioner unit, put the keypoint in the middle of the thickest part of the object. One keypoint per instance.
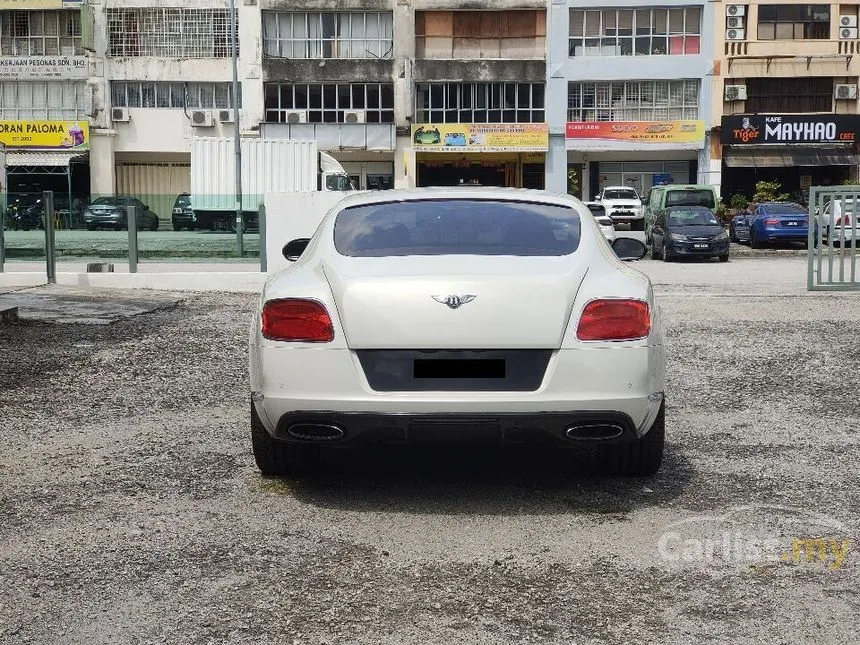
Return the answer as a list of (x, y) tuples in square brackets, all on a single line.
[(736, 10), (735, 34), (845, 92), (354, 116), (847, 33), (733, 22), (296, 116), (119, 114), (225, 116), (847, 21), (736, 92), (201, 118)]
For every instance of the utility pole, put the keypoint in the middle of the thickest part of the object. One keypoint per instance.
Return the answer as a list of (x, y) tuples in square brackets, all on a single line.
[(234, 51)]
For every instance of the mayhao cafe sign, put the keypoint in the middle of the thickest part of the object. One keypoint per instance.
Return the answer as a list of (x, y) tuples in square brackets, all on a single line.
[(787, 129)]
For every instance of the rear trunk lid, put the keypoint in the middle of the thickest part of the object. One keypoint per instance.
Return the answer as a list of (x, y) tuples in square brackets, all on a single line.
[(423, 302)]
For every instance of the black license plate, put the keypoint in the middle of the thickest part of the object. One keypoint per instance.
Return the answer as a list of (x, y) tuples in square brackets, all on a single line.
[(459, 368), (701, 246)]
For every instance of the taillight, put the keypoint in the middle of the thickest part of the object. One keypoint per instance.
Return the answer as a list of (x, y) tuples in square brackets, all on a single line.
[(614, 319), (771, 221), (297, 320)]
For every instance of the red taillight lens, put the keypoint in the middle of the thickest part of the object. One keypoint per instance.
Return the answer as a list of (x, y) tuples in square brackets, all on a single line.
[(614, 320), (771, 222), (297, 320)]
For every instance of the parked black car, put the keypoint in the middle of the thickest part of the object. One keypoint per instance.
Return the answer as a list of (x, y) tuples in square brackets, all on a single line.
[(183, 216), (111, 212), (688, 231)]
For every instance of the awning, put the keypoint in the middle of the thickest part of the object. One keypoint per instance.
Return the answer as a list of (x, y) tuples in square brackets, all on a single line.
[(42, 159), (788, 156)]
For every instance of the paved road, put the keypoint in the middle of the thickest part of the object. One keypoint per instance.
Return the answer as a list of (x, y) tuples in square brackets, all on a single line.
[(131, 512)]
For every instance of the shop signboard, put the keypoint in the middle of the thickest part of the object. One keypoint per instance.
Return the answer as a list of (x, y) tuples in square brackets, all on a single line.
[(45, 135), (25, 68), (785, 129), (637, 132), (480, 137)]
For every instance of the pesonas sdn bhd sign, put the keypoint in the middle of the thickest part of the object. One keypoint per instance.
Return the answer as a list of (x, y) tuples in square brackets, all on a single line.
[(787, 129)]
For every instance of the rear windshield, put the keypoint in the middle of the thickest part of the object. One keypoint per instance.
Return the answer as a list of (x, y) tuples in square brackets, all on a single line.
[(692, 197), (457, 227), (183, 200), (783, 209), (620, 194)]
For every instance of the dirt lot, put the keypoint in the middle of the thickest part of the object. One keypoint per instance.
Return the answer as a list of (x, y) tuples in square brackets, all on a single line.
[(131, 511)]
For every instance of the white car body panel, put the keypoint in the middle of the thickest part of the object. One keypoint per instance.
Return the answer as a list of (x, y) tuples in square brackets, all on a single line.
[(845, 224), (521, 302)]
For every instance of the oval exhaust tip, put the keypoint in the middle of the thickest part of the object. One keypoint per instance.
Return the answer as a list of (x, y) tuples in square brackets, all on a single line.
[(316, 432), (593, 431)]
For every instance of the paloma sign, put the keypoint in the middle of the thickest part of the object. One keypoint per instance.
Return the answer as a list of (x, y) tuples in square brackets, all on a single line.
[(783, 129)]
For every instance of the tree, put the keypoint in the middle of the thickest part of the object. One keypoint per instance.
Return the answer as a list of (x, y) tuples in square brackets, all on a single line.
[(770, 191), (572, 181)]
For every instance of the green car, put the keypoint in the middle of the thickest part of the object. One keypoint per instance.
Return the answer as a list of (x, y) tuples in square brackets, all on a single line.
[(662, 197)]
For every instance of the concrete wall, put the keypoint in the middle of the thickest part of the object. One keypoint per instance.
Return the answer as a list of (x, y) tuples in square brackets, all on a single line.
[(293, 215)]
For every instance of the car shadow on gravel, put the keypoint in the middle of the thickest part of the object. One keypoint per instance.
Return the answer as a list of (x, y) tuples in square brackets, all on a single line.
[(482, 480)]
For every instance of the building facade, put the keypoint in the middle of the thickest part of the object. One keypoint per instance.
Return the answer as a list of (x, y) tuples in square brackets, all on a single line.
[(44, 100), (785, 100), (104, 97), (629, 94)]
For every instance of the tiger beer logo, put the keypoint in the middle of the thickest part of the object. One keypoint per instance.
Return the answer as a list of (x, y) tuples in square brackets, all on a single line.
[(746, 132)]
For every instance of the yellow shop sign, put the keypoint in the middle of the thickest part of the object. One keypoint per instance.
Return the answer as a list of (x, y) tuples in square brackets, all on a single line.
[(45, 135), (480, 137)]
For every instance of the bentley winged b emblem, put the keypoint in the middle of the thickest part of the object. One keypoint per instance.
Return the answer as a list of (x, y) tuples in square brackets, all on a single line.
[(454, 301)]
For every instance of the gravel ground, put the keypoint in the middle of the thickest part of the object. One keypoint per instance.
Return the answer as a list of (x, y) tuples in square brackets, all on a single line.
[(131, 511)]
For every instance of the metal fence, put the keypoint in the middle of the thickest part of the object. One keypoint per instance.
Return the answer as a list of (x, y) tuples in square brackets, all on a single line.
[(834, 222), (97, 229)]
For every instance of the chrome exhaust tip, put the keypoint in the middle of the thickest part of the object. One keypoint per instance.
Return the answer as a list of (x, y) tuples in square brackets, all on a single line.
[(593, 431), (316, 432)]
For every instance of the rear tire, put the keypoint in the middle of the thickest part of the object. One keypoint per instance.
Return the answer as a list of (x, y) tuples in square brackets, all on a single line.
[(754, 243), (639, 458), (279, 458)]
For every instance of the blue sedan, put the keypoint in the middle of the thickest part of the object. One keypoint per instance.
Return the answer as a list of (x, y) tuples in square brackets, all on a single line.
[(771, 222)]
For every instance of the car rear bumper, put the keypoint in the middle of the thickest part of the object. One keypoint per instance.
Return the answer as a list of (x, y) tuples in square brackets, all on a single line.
[(778, 235), (351, 428), (579, 385)]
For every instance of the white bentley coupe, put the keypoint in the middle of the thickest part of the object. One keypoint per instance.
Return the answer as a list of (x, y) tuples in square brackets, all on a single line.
[(461, 314)]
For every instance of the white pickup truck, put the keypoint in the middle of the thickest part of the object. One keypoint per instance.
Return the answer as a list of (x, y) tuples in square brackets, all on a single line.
[(623, 205)]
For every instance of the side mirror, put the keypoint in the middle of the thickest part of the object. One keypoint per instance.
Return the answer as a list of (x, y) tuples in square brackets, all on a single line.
[(628, 248), (294, 248)]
